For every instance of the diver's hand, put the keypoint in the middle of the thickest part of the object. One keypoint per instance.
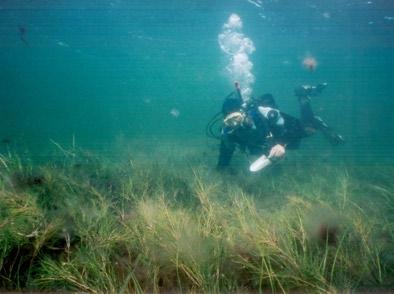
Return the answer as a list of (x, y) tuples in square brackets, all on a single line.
[(276, 152)]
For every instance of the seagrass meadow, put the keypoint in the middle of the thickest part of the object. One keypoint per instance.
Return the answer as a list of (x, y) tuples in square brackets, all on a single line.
[(84, 224)]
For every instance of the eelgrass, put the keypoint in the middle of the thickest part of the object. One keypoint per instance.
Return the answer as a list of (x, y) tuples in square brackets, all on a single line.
[(84, 226)]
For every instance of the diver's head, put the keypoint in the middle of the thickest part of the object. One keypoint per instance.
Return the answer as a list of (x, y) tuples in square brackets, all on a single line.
[(266, 100), (231, 104)]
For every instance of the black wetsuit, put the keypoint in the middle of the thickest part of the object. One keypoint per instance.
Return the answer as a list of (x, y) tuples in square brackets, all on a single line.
[(259, 136), (253, 137)]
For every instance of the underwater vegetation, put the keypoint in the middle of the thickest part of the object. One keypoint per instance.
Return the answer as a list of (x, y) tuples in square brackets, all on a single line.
[(81, 224)]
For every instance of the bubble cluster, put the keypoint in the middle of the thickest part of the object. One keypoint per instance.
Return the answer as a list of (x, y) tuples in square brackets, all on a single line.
[(238, 48)]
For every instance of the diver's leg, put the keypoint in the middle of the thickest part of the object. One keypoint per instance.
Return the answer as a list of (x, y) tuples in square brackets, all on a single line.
[(312, 122), (306, 112), (333, 137), (226, 151)]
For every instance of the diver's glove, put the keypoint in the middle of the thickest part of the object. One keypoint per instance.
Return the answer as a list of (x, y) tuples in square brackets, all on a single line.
[(233, 121), (277, 152)]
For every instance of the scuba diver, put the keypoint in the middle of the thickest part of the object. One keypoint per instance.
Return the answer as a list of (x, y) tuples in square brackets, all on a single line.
[(259, 128), (22, 34)]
